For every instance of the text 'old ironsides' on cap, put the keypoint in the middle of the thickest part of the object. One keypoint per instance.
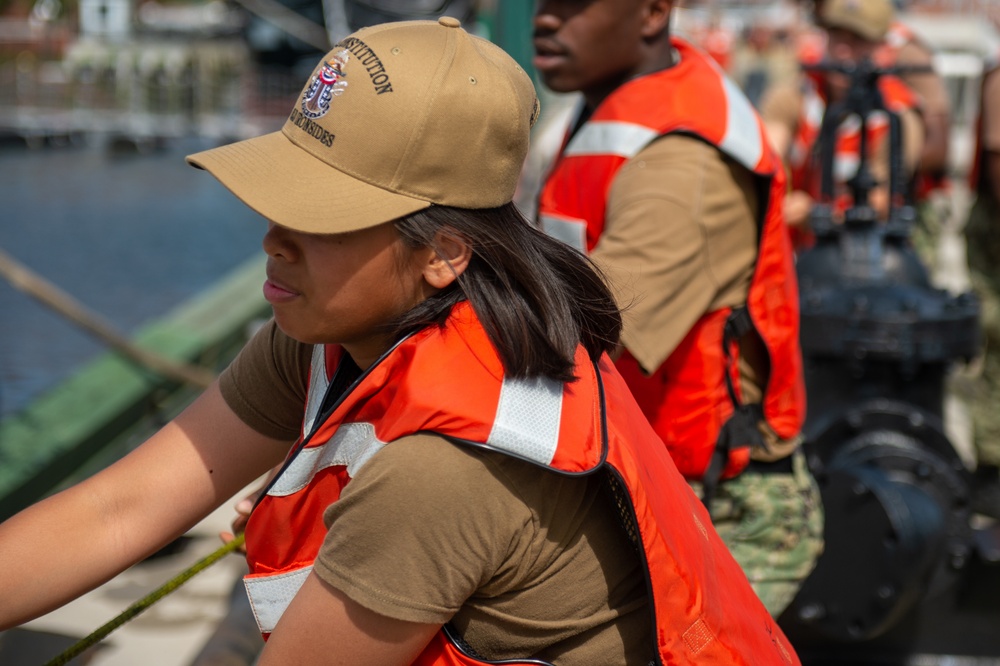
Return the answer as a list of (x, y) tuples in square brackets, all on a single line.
[(395, 118)]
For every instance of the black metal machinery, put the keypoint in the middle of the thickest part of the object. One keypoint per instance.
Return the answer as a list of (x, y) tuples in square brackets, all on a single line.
[(907, 575)]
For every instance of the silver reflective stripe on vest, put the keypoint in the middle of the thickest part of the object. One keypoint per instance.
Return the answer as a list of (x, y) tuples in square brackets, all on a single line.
[(610, 138), (845, 167), (571, 231), (743, 140), (352, 446), (271, 595), (527, 420), (318, 383)]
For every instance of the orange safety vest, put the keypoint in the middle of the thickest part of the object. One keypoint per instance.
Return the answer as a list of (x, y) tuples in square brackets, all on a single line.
[(810, 48), (896, 37), (449, 380), (718, 43), (691, 399), (803, 159)]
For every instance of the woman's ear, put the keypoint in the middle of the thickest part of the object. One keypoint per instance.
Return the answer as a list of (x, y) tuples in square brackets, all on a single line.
[(451, 256)]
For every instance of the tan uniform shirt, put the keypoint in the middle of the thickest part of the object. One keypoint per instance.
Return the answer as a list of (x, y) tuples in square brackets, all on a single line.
[(521, 560), (680, 240)]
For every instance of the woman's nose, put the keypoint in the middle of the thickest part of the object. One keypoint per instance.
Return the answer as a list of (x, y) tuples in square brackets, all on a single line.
[(277, 241)]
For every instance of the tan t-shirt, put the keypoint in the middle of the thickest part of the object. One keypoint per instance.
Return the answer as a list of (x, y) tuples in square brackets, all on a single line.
[(521, 560), (680, 240)]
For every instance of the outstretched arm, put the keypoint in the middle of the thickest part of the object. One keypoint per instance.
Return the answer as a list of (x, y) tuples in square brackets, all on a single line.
[(76, 540)]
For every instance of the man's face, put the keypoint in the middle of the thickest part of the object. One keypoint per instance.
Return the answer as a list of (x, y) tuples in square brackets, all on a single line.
[(587, 45), (846, 47)]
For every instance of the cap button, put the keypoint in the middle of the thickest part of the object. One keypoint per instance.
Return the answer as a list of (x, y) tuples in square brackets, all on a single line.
[(450, 22)]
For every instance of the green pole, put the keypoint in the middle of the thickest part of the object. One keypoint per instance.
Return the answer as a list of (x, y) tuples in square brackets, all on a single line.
[(511, 30)]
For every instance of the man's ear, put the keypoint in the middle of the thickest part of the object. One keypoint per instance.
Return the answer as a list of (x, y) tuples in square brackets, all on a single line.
[(451, 256), (656, 17)]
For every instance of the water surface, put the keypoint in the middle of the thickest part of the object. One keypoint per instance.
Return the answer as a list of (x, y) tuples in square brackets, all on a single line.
[(128, 235)]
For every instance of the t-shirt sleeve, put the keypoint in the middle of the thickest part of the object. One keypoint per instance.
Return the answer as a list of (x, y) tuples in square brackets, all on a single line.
[(266, 383), (421, 527), (780, 104), (928, 85)]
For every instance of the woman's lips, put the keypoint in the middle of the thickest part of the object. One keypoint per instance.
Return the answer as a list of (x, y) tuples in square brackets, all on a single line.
[(276, 293)]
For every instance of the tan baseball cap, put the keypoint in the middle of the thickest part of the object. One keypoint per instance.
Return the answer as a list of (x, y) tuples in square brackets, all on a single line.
[(395, 118), (869, 19)]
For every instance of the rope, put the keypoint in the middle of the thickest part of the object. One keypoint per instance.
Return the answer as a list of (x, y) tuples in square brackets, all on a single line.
[(24, 279), (142, 604)]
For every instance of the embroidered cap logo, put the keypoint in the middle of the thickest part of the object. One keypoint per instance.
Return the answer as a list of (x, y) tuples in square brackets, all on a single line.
[(325, 85)]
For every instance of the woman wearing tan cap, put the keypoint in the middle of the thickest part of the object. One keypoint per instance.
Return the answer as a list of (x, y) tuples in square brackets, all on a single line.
[(469, 478)]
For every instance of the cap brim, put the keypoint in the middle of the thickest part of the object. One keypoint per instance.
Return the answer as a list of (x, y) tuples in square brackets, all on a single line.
[(291, 187)]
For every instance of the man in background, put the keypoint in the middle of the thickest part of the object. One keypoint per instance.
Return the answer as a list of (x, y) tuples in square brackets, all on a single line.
[(667, 180), (901, 47), (793, 114)]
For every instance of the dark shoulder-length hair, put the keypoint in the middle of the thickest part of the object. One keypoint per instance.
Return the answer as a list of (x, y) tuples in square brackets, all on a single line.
[(536, 297)]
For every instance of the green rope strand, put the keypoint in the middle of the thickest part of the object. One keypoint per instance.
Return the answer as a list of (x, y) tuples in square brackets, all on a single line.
[(99, 634)]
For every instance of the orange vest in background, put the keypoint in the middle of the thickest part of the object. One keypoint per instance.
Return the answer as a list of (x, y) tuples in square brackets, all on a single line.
[(898, 36), (718, 43), (687, 399), (449, 380)]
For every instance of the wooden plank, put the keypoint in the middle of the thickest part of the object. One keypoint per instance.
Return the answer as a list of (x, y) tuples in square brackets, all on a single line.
[(110, 403)]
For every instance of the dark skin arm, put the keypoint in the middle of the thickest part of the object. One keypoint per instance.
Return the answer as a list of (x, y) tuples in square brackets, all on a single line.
[(934, 157), (991, 163), (935, 111)]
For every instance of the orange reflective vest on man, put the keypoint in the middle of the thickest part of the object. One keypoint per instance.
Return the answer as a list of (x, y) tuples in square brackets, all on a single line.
[(449, 380), (693, 399)]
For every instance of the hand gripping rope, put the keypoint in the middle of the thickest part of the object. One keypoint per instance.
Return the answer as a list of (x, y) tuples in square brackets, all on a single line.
[(142, 604)]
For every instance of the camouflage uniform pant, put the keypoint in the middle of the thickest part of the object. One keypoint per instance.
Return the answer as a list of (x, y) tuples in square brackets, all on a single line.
[(979, 385), (773, 526)]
